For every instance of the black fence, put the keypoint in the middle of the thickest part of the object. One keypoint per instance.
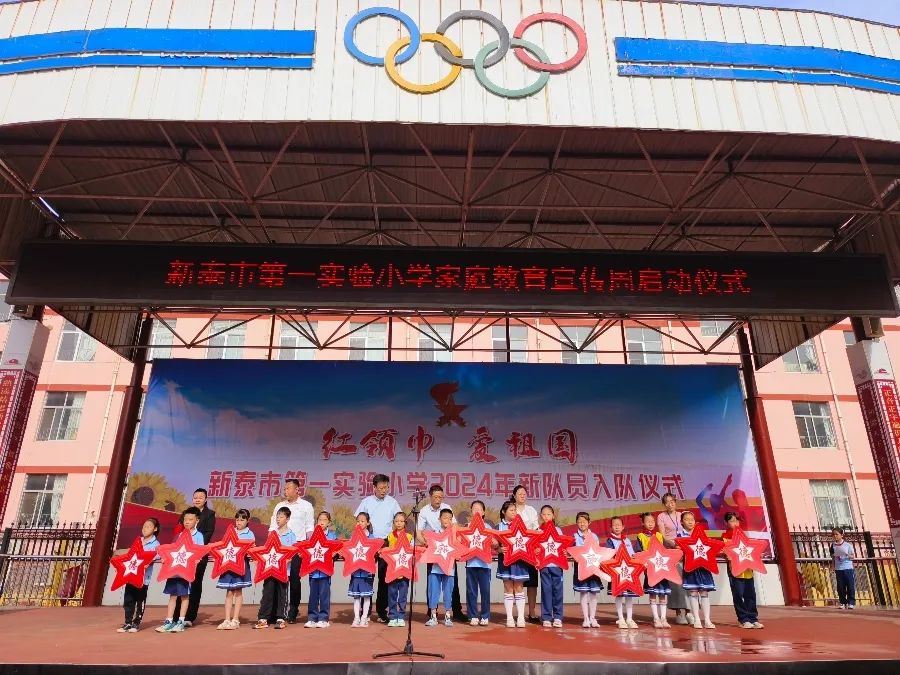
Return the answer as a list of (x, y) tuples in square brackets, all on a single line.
[(874, 561), (44, 566)]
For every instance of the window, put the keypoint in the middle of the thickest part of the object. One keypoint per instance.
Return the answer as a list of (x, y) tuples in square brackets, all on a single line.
[(518, 344), (75, 345), (577, 335), (802, 359), (297, 347), (713, 328), (432, 348), (369, 343), (644, 346), (832, 500), (39, 506), (226, 340), (814, 424), (5, 310), (61, 415), (161, 340), (849, 338)]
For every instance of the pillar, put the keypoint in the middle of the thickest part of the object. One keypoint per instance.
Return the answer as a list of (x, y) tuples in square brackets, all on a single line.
[(768, 472), (104, 539)]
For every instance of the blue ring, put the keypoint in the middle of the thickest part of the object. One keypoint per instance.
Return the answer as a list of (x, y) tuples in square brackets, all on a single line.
[(415, 36)]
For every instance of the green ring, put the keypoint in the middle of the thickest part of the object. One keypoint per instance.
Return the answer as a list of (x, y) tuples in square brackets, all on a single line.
[(481, 71)]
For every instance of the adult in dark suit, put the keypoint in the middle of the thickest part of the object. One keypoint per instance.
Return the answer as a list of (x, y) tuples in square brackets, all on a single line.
[(206, 526)]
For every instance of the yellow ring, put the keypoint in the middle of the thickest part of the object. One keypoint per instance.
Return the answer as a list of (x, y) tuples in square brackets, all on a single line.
[(390, 65)]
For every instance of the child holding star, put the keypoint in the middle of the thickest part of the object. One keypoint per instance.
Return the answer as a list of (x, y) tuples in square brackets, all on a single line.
[(176, 587), (587, 589), (513, 575), (234, 584), (743, 588), (478, 580), (698, 583), (398, 589), (319, 608), (440, 585), (658, 593), (136, 598), (626, 599), (362, 583)]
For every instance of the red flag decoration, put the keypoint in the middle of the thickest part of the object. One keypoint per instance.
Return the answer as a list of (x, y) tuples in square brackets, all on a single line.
[(477, 540), (399, 560), (442, 549), (180, 558), (700, 551), (317, 553), (520, 544), (660, 562), (552, 547), (744, 553), (589, 556), (272, 559), (359, 552), (229, 554), (625, 572), (131, 566)]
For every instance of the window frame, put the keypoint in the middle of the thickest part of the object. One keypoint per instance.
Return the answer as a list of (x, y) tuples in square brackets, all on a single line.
[(83, 351), (832, 500), (434, 352), (641, 357), (794, 363), (368, 332), (54, 494), (809, 421), (588, 356), (219, 332), (304, 349), (72, 422)]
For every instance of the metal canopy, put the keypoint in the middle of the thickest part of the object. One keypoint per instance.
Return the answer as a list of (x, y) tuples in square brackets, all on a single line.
[(444, 185)]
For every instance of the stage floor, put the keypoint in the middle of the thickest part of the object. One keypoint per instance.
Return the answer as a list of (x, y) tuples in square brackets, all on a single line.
[(83, 637)]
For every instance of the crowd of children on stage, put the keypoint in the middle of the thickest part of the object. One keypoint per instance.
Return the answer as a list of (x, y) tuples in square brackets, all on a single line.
[(273, 604)]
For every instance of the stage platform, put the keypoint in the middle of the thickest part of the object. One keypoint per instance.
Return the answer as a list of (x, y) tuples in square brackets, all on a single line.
[(50, 641)]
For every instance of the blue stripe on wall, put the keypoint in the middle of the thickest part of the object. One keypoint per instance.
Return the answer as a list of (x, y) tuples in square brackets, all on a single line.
[(159, 40), (149, 60), (707, 73), (700, 52)]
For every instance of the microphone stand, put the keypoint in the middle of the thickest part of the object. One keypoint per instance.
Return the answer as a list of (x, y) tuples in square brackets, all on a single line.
[(409, 650)]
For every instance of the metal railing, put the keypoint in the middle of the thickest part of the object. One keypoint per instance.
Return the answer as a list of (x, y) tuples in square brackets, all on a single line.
[(44, 566), (874, 561)]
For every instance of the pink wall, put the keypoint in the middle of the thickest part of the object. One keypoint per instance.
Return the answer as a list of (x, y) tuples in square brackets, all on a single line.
[(84, 459)]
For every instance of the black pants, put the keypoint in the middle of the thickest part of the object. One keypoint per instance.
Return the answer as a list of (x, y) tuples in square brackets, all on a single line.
[(135, 601), (196, 593), (294, 582), (273, 604), (456, 605), (846, 586), (743, 594), (381, 593)]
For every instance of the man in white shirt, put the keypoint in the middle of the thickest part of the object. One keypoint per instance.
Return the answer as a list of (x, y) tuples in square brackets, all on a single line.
[(381, 508), (430, 519), (302, 522)]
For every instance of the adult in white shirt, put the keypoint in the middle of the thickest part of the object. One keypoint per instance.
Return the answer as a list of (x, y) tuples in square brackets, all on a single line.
[(302, 522), (530, 518), (381, 508), (430, 519)]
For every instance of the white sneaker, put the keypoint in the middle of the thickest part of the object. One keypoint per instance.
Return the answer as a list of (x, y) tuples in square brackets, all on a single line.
[(747, 624), (225, 625), (356, 622), (520, 622), (757, 624), (364, 623), (235, 624), (557, 623), (323, 624), (690, 618), (510, 622), (632, 623), (586, 623), (621, 623), (709, 624), (401, 623), (310, 624), (546, 624), (485, 622), (473, 621), (595, 623)]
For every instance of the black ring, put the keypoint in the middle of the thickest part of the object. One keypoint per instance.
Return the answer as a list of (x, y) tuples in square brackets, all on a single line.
[(479, 15)]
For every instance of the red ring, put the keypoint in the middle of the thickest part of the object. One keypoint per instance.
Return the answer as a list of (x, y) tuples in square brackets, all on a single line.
[(568, 64)]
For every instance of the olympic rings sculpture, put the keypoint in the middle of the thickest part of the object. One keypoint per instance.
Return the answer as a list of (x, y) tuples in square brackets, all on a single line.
[(530, 54)]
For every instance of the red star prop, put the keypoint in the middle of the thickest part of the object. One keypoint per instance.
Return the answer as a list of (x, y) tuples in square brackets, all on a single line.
[(272, 559), (625, 572), (132, 565), (661, 562), (477, 540), (317, 553), (399, 560), (359, 552), (589, 556), (552, 547), (519, 544), (442, 549), (229, 554), (744, 553), (700, 551), (180, 558)]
